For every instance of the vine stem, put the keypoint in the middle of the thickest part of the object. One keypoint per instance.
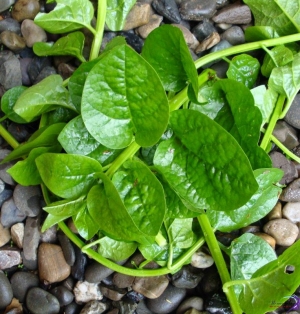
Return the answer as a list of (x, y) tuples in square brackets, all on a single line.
[(8, 137), (217, 255)]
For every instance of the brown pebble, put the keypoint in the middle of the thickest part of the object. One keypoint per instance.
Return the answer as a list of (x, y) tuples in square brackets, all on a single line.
[(267, 238), (12, 41), (25, 9), (276, 212), (150, 287)]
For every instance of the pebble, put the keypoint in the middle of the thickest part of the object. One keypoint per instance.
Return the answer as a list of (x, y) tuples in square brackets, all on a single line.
[(218, 304), (36, 66), (201, 260), (282, 230), (291, 211), (154, 22), (211, 281), (150, 287), (139, 15), (4, 235), (12, 41), (192, 302), (168, 301), (65, 70), (4, 175), (292, 192), (6, 4), (187, 277), (72, 308), (17, 234), (250, 229), (196, 10), (67, 247), (122, 280), (6, 293), (40, 301), (10, 24), (190, 39), (32, 33), (203, 29), (25, 9), (112, 293), (52, 264), (21, 282), (234, 35), (24, 63), (286, 134), (10, 213), (168, 9), (293, 115), (63, 295), (94, 307), (10, 72), (28, 199), (233, 14), (85, 291), (15, 307), (270, 240), (209, 42), (276, 212), (133, 40), (49, 235), (78, 267), (45, 72), (96, 272), (9, 257), (125, 307)]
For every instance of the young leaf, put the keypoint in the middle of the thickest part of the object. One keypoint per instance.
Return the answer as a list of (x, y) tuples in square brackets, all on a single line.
[(244, 68), (282, 15), (116, 250), (52, 220), (8, 101), (256, 297), (204, 164), (69, 45), (67, 16), (66, 208), (244, 127), (256, 33), (132, 102), (42, 97), (68, 176), (117, 11), (259, 205), (170, 58)]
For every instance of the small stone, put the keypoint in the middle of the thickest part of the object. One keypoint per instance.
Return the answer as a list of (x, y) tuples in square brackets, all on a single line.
[(233, 14), (187, 277), (96, 272), (32, 33), (78, 267), (85, 291), (168, 9), (36, 66), (65, 70), (49, 235), (234, 35), (276, 212), (222, 3), (154, 22), (203, 29), (6, 4), (94, 307), (218, 304), (209, 42), (190, 39), (67, 247), (142, 308), (291, 211), (201, 260), (292, 192), (270, 240), (10, 24), (195, 303), (41, 301), (12, 41), (196, 10), (4, 235), (10, 214), (293, 115), (45, 72), (10, 73), (286, 134), (24, 63), (223, 44), (6, 293), (133, 40), (52, 264), (211, 281), (31, 239), (139, 15), (122, 280), (125, 307), (150, 287), (17, 234), (21, 282), (15, 307), (282, 230), (112, 293), (63, 295), (25, 9), (9, 257), (72, 308)]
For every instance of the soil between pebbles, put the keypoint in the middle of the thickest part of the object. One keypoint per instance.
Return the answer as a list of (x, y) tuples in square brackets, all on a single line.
[(32, 280)]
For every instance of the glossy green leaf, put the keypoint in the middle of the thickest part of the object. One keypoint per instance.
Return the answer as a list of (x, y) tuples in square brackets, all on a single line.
[(69, 45), (67, 16), (60, 114), (271, 282), (256, 33), (116, 13), (244, 68), (204, 164), (170, 58), (282, 15), (132, 102), (8, 100), (44, 137), (52, 220), (142, 195), (42, 97), (25, 171), (260, 204), (66, 208), (116, 250), (68, 176), (244, 127)]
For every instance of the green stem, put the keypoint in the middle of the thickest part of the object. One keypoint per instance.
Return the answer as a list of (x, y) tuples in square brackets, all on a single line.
[(8, 137), (284, 149), (275, 116), (101, 15), (216, 253)]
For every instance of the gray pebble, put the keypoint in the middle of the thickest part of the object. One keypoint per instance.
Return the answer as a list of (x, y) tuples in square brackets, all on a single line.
[(10, 24), (36, 66), (72, 308), (188, 277), (94, 307), (234, 35), (6, 293), (291, 211), (142, 308), (125, 307), (292, 192), (32, 33), (193, 302), (196, 10), (4, 175), (233, 14), (24, 63), (10, 73), (96, 272), (293, 115), (286, 134), (6, 4), (168, 9), (21, 282), (10, 214), (67, 247), (203, 29), (19, 131), (63, 295), (49, 235), (9, 257), (39, 301), (45, 72)]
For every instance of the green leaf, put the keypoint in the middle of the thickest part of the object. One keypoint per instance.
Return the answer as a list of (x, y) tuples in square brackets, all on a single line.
[(142, 195), (116, 250), (42, 97), (8, 101), (259, 205), (67, 16), (132, 102), (116, 13), (244, 127), (166, 50), (44, 137), (244, 68), (68, 176), (204, 164), (69, 45), (257, 33), (52, 220), (273, 277), (66, 208), (25, 171), (282, 15)]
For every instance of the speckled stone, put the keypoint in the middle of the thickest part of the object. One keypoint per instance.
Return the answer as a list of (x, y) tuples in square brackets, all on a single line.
[(154, 22), (233, 14), (292, 192), (293, 115), (85, 291), (9, 257), (291, 211), (139, 15), (286, 134), (25, 9)]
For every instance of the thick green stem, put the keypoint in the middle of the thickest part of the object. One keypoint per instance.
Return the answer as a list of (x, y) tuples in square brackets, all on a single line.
[(216, 253), (8, 137)]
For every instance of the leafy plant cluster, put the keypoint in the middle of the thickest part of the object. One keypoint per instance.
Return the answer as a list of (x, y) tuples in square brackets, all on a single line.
[(143, 152)]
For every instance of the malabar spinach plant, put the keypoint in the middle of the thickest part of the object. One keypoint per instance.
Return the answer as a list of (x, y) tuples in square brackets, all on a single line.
[(153, 152)]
